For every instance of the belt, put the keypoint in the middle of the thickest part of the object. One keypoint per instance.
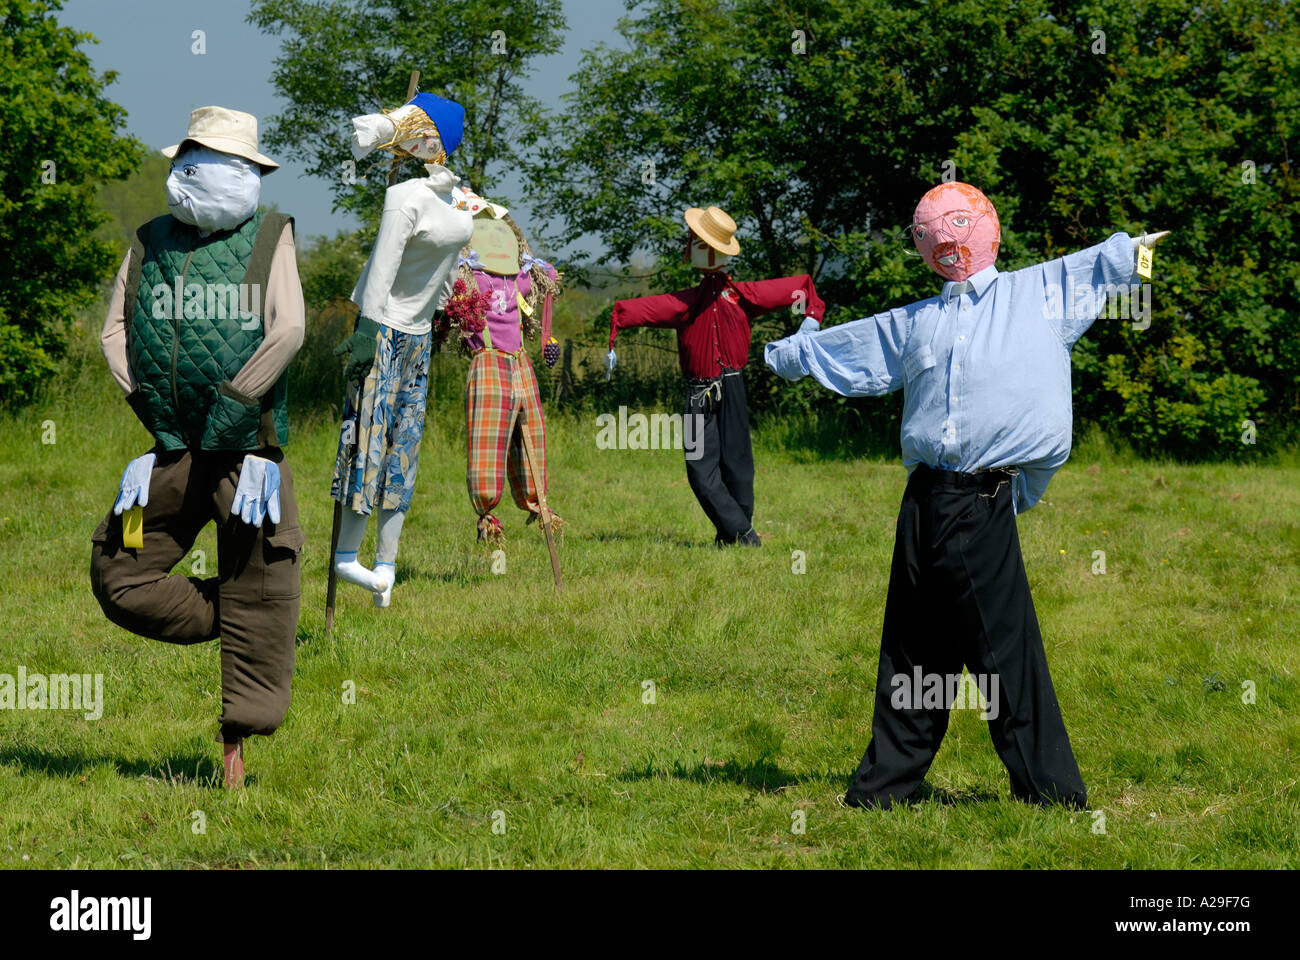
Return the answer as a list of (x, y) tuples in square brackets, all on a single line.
[(985, 482), (703, 388)]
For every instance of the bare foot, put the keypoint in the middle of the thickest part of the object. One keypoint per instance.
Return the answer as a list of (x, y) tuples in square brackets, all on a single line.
[(233, 761)]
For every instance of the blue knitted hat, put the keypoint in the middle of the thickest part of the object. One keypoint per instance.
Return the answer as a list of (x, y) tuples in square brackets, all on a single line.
[(447, 115)]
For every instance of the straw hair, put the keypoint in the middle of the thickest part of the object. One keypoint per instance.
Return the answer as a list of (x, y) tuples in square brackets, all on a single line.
[(410, 125)]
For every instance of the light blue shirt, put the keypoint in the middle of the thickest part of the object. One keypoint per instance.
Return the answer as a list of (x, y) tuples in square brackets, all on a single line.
[(984, 367)]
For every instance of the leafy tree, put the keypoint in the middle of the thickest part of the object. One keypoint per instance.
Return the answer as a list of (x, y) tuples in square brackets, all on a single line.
[(343, 58), (133, 201), (329, 267), (60, 140), (818, 126)]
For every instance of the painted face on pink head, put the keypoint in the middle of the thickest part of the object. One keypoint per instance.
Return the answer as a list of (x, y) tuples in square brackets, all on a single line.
[(956, 230)]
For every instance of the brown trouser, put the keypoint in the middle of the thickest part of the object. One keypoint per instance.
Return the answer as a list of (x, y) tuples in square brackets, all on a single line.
[(252, 603)]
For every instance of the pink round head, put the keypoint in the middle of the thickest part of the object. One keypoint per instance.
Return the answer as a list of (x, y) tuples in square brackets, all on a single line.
[(956, 230)]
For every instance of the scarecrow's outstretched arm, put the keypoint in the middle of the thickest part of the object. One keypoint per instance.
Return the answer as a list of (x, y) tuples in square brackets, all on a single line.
[(760, 297), (666, 310), (858, 359), (1078, 286)]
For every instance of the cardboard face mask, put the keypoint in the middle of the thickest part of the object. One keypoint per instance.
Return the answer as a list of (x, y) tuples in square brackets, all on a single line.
[(496, 245), (704, 257), (426, 146), (956, 230)]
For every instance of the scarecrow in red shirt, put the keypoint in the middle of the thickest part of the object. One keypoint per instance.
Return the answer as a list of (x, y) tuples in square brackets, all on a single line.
[(713, 323)]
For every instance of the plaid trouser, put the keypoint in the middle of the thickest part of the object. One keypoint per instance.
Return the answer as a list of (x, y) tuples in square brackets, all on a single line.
[(501, 401)]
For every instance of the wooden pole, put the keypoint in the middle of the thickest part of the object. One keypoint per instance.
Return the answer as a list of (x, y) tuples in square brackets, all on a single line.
[(331, 589), (540, 486)]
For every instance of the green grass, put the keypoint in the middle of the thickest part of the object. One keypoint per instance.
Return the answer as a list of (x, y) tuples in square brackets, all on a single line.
[(479, 693)]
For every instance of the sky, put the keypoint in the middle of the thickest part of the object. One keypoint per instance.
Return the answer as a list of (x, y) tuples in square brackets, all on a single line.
[(160, 79)]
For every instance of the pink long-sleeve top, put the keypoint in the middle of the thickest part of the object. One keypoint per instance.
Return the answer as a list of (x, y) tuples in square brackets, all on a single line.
[(503, 325)]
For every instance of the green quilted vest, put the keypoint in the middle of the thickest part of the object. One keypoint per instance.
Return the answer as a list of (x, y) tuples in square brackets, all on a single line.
[(195, 318)]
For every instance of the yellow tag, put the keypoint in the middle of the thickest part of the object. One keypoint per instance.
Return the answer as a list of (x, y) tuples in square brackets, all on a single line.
[(523, 304), (1144, 261), (133, 528)]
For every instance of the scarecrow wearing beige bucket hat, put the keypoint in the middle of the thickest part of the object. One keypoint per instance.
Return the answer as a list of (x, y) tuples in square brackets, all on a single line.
[(205, 315), (714, 321)]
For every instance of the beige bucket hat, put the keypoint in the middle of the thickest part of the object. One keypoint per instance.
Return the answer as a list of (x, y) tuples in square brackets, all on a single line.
[(229, 131), (713, 227)]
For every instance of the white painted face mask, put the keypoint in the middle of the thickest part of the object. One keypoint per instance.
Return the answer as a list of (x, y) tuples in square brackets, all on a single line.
[(212, 190), (704, 257)]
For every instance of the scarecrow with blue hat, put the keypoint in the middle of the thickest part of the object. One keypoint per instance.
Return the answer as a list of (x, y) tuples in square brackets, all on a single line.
[(405, 281)]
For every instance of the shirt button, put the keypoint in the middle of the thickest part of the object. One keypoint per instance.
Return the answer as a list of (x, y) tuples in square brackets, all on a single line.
[(958, 366), (962, 337), (967, 307)]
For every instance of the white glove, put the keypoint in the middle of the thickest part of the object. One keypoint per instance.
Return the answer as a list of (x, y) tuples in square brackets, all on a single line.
[(1149, 239), (611, 358), (810, 325), (258, 492), (135, 484)]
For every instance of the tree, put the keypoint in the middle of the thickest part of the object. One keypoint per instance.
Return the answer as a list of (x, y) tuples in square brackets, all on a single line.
[(60, 141), (819, 125), (343, 58)]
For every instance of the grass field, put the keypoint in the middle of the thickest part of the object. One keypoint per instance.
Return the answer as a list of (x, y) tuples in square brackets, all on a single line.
[(489, 700)]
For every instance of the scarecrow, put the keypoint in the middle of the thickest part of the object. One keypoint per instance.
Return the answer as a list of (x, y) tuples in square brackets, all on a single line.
[(205, 315), (713, 323), (407, 277), (985, 372), (502, 295)]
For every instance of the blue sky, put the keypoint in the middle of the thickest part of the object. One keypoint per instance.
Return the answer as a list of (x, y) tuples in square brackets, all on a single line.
[(148, 43)]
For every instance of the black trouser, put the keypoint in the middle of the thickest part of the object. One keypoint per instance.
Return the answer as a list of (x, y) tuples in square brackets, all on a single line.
[(958, 595), (722, 475)]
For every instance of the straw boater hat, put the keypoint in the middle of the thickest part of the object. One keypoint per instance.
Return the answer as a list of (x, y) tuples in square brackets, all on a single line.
[(715, 228), (229, 131)]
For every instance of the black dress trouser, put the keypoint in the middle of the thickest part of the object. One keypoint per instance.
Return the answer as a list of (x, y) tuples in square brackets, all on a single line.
[(958, 595), (722, 476)]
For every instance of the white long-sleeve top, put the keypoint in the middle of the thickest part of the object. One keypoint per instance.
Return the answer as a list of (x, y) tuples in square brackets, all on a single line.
[(412, 266)]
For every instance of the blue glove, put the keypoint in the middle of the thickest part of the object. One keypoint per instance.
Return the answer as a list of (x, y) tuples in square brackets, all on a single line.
[(135, 484), (258, 492), (809, 325), (611, 359)]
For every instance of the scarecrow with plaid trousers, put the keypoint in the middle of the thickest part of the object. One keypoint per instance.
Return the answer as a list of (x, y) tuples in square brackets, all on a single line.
[(502, 295), (713, 323)]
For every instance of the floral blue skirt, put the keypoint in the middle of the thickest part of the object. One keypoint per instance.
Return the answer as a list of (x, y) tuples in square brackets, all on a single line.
[(383, 422)]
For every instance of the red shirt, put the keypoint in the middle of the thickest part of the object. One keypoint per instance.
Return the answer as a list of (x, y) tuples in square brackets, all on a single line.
[(713, 319)]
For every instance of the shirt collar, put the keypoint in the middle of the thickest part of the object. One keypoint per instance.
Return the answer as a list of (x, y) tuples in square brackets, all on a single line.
[(978, 283)]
